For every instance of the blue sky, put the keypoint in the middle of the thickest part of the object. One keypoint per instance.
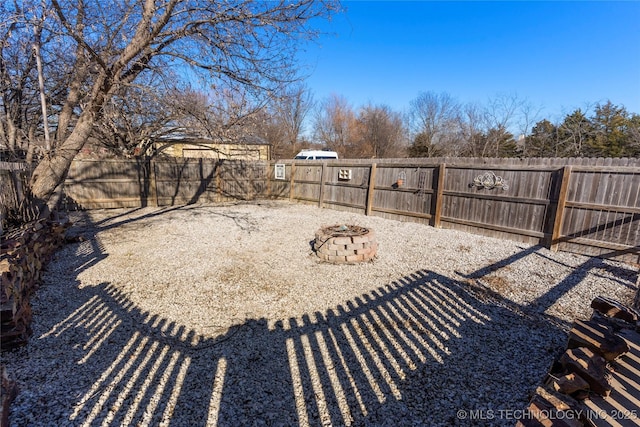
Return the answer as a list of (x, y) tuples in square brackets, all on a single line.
[(559, 56)]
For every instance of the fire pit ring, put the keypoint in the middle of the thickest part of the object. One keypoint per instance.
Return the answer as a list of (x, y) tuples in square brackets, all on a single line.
[(345, 244)]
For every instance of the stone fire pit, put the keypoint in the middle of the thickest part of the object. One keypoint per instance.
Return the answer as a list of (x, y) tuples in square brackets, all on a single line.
[(345, 244)]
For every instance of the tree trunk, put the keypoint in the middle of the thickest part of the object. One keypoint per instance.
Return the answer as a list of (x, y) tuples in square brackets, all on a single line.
[(52, 170)]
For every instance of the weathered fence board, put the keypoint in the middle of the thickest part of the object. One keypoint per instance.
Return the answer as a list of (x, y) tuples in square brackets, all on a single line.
[(602, 215), (403, 193), (594, 213), (183, 181), (134, 183), (590, 206)]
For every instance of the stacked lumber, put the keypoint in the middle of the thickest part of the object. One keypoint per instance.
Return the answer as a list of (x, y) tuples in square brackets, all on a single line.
[(581, 388), (23, 254), (8, 391)]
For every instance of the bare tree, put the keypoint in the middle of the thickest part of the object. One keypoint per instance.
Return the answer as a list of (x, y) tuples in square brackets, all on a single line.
[(224, 115), (111, 46), (434, 124), (270, 129), (283, 119), (18, 70), (132, 120), (500, 115), (381, 132), (472, 128), (295, 105), (335, 125), (528, 115)]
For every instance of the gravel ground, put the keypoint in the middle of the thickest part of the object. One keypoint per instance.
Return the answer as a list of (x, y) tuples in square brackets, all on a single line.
[(222, 315)]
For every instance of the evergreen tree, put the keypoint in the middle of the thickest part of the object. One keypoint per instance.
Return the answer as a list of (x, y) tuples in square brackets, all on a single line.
[(573, 135), (500, 143), (543, 141), (422, 147), (609, 137)]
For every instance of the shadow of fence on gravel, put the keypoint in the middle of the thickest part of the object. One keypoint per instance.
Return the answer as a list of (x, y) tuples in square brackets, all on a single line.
[(415, 351), (625, 277), (92, 250)]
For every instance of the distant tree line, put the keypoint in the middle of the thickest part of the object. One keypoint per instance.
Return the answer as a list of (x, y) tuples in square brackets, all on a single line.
[(610, 131), (436, 125), (75, 75)]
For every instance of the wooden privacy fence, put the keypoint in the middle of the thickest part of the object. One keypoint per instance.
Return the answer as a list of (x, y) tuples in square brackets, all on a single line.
[(95, 184), (589, 206)]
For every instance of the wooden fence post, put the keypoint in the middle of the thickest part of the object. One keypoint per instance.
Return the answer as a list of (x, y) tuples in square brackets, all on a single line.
[(439, 195), (559, 213), (218, 179), (322, 178), (291, 180), (153, 183), (269, 171), (371, 189)]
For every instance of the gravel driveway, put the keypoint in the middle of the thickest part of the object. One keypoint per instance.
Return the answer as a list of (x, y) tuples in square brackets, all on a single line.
[(221, 315)]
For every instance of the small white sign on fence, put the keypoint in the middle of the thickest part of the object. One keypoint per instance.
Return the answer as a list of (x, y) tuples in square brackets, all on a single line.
[(344, 174), (280, 170)]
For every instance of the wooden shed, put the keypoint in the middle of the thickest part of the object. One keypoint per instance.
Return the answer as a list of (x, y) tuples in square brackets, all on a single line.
[(251, 148)]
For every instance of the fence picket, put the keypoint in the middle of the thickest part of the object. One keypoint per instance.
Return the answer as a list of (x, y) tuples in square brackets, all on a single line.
[(591, 207)]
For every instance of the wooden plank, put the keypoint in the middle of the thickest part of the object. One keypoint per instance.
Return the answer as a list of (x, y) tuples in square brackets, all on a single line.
[(623, 191), (371, 189), (519, 190), (608, 169), (620, 408), (599, 195), (348, 205), (153, 184), (323, 177), (583, 217), (604, 245), (344, 185), (574, 192), (559, 213), (79, 181), (437, 214), (270, 179), (611, 229), (633, 200), (510, 230), (494, 166), (499, 198), (410, 190), (351, 192), (307, 191), (540, 188), (291, 181), (307, 199), (403, 213), (602, 207), (410, 164), (306, 181), (105, 200)]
